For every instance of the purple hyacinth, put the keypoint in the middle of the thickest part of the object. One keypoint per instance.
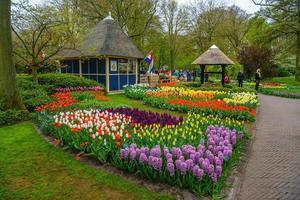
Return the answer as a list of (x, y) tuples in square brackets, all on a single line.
[(176, 152), (210, 169), (155, 162), (155, 151), (198, 172), (219, 170), (214, 177), (170, 160), (124, 153), (190, 164), (183, 168), (133, 155), (178, 164), (169, 156), (171, 169), (143, 158)]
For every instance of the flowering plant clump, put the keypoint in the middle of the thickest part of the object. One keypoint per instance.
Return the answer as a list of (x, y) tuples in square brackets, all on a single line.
[(238, 105), (60, 100), (194, 163), (243, 98), (191, 152), (136, 91), (273, 85), (148, 118), (169, 84), (80, 88)]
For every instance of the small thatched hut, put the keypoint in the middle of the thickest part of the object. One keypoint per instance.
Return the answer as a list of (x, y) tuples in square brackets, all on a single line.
[(106, 55), (213, 56)]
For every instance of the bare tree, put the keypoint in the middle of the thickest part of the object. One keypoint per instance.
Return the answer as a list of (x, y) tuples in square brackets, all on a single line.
[(235, 26), (207, 16), (175, 19), (38, 35)]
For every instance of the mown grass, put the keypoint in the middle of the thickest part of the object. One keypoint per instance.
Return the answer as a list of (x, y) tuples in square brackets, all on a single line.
[(31, 168)]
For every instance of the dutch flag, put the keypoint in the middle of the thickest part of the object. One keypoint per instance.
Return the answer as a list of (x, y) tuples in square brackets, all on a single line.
[(149, 59)]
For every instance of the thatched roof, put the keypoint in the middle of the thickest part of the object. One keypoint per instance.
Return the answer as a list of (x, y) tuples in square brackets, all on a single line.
[(106, 38), (213, 56)]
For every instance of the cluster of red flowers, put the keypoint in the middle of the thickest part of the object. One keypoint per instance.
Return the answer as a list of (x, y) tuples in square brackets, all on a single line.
[(214, 104), (60, 99), (102, 98), (271, 84), (169, 84)]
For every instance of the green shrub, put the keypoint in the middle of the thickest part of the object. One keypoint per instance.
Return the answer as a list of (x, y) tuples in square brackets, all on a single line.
[(32, 93), (52, 81), (10, 116)]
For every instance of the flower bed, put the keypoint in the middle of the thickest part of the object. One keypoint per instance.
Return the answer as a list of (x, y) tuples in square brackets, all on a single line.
[(192, 153), (238, 105), (60, 100)]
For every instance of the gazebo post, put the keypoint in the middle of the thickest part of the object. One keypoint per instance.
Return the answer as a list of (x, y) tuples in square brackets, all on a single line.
[(202, 73), (223, 75)]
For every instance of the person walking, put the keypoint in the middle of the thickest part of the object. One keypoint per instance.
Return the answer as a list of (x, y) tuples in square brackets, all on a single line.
[(240, 78), (257, 79)]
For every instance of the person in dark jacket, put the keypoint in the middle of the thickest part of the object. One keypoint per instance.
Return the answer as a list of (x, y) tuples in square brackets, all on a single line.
[(240, 78), (257, 79)]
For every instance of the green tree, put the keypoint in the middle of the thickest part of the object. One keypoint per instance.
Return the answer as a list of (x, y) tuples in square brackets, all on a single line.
[(10, 97), (285, 21)]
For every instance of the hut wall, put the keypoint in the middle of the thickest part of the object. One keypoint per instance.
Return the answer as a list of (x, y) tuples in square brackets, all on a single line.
[(124, 73), (92, 68), (70, 67)]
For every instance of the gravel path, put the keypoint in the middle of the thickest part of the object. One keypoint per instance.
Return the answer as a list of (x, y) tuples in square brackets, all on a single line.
[(273, 167)]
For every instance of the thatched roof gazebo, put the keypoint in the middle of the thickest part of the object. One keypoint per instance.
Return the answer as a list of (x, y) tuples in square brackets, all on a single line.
[(106, 55), (213, 56)]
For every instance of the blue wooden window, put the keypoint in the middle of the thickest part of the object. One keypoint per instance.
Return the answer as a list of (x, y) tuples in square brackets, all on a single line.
[(93, 66), (101, 66), (113, 82), (102, 79), (76, 66), (85, 67)]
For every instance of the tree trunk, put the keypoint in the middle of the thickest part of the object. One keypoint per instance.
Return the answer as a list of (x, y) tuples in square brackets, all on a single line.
[(34, 74), (172, 58), (297, 75), (9, 93)]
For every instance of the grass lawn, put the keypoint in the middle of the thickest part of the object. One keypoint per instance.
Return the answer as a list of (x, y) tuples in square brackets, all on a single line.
[(292, 89), (30, 168), (284, 80), (122, 99)]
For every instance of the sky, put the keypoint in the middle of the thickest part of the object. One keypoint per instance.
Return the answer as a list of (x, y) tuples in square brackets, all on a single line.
[(247, 5)]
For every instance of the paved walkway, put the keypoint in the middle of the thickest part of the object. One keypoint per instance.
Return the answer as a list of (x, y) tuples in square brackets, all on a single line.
[(273, 168)]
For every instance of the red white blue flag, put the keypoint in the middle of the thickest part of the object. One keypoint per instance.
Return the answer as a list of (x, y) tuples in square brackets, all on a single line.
[(149, 59)]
